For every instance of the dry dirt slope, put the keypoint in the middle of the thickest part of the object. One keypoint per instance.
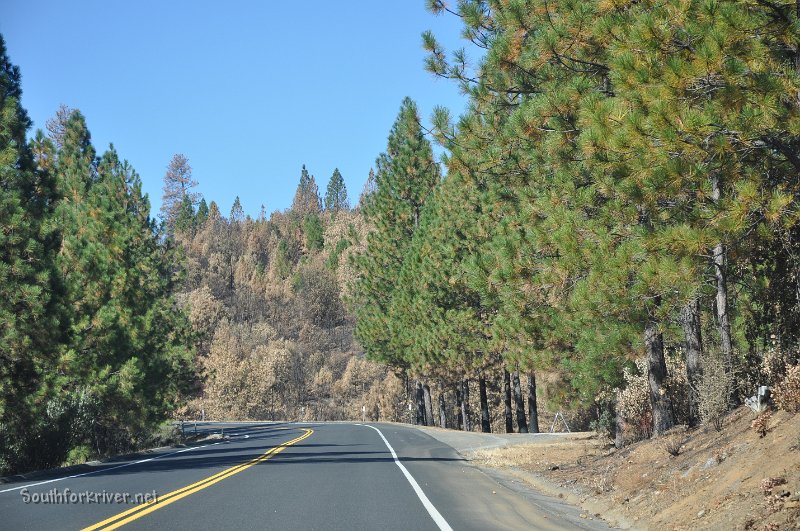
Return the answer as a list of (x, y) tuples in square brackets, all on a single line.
[(731, 479)]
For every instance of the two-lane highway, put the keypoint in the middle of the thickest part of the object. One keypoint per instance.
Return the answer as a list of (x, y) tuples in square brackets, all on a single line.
[(282, 476)]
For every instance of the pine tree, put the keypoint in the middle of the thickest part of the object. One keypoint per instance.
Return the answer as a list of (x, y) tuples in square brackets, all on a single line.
[(406, 175), (128, 360), (368, 190), (237, 212), (56, 126), (202, 212), (306, 198), (336, 193), (30, 310), (213, 211), (178, 183), (313, 229), (185, 221)]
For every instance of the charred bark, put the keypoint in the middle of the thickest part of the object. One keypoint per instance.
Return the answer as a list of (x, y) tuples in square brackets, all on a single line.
[(459, 412), (507, 401), (465, 410), (656, 374), (486, 426), (533, 407), (420, 399), (522, 421), (442, 408)]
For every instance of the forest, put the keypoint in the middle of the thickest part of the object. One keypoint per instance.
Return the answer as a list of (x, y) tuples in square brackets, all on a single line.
[(611, 233)]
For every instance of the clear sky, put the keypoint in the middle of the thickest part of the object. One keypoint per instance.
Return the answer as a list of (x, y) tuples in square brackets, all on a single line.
[(248, 91)]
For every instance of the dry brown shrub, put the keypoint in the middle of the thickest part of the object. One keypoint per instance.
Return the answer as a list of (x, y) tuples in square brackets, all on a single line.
[(713, 392), (761, 423), (787, 392), (774, 363), (673, 441)]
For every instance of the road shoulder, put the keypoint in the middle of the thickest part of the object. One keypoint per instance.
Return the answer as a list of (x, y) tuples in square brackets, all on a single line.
[(534, 488)]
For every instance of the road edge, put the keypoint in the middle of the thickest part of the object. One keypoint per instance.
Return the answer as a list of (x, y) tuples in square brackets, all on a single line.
[(520, 481)]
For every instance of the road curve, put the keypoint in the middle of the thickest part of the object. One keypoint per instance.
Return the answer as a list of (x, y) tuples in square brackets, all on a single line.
[(284, 476)]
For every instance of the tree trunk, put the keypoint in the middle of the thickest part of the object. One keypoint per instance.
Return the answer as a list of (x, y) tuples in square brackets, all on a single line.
[(721, 276), (465, 405), (459, 413), (486, 426), (507, 400), (426, 390), (522, 421), (693, 351), (656, 374), (533, 408), (442, 407), (407, 388), (420, 398)]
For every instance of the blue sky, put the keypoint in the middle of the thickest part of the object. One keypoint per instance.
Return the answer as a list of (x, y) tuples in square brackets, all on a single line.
[(248, 91)]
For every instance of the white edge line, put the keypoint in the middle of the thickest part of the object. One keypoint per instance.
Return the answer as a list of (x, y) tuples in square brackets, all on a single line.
[(106, 469), (437, 517)]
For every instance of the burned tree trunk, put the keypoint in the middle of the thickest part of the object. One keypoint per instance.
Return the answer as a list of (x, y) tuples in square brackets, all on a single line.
[(442, 407), (533, 407), (426, 393), (522, 422), (459, 414), (507, 401), (656, 374), (420, 399), (465, 412), (486, 426), (693, 351)]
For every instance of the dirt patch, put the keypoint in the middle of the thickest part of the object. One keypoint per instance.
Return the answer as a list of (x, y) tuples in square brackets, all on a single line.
[(731, 479)]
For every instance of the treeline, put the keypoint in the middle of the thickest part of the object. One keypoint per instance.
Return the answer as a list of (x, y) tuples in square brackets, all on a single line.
[(622, 187), (94, 353)]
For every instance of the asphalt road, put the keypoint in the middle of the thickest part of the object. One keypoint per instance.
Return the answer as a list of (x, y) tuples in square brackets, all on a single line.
[(285, 476)]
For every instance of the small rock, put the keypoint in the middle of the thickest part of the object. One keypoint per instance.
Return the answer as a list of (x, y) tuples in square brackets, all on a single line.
[(583, 515), (494, 492), (784, 494), (701, 513), (711, 462), (554, 467)]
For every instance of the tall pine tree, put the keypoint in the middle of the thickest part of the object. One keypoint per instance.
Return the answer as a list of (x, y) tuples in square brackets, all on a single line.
[(30, 315), (336, 193), (405, 177)]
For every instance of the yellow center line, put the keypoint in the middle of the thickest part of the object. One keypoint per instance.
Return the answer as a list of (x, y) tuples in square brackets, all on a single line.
[(120, 519)]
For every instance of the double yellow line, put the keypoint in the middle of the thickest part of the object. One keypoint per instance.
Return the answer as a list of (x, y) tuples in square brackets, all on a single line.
[(146, 508)]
